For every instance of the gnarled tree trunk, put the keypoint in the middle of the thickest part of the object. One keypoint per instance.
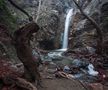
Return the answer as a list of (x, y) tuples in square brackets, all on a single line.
[(24, 52)]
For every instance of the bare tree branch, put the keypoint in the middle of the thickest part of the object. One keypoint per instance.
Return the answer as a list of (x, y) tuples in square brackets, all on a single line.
[(19, 8), (38, 12)]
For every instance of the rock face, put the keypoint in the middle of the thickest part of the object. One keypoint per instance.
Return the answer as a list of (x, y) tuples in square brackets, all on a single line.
[(85, 33), (51, 19), (104, 22)]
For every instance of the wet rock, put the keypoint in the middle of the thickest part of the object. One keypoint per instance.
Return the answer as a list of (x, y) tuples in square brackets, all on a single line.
[(79, 63), (66, 69), (91, 70), (91, 50), (81, 24)]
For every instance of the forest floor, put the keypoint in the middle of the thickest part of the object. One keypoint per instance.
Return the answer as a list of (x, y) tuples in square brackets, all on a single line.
[(61, 84), (50, 82), (65, 84), (53, 83), (53, 78)]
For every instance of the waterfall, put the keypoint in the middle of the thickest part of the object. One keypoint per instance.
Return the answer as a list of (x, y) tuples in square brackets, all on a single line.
[(58, 53), (66, 31)]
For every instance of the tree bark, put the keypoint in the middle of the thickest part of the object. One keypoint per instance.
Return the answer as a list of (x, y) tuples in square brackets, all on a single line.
[(98, 29), (24, 52)]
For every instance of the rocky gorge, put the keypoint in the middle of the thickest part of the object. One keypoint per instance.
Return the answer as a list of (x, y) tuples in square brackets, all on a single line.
[(56, 40)]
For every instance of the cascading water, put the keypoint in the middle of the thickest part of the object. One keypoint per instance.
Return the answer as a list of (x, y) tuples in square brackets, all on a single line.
[(58, 53), (66, 31)]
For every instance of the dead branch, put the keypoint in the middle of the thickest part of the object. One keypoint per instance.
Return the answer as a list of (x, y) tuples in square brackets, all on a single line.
[(71, 77), (98, 29), (20, 82), (38, 12), (19, 8)]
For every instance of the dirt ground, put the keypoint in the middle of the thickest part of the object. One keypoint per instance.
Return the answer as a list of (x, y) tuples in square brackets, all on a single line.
[(61, 84)]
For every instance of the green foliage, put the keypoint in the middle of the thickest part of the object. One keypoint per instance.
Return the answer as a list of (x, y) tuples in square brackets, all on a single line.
[(106, 18), (6, 17), (2, 4), (105, 22)]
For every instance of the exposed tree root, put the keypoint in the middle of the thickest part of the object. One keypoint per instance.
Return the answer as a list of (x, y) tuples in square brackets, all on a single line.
[(18, 82)]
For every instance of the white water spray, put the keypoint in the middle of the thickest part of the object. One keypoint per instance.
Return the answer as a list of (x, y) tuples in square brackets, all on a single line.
[(66, 31)]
